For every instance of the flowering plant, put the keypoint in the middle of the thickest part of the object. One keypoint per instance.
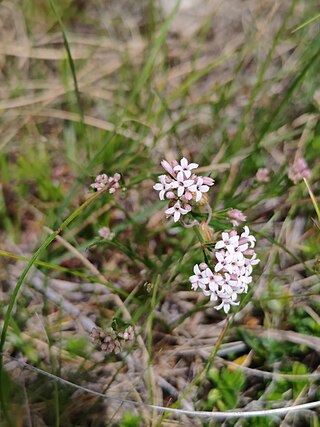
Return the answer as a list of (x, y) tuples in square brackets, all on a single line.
[(230, 269)]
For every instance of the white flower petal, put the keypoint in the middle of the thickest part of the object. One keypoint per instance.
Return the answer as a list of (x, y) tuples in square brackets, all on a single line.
[(198, 196), (176, 216), (193, 166), (184, 162), (180, 191), (170, 211)]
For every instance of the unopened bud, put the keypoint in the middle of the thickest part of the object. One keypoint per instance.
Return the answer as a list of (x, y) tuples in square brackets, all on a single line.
[(203, 266)]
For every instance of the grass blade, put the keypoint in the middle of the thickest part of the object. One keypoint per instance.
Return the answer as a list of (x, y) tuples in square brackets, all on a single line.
[(70, 59)]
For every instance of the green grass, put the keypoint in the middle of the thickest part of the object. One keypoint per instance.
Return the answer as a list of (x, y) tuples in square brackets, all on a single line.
[(120, 89)]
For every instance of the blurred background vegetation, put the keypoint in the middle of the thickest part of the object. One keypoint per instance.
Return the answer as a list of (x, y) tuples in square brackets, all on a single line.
[(115, 86)]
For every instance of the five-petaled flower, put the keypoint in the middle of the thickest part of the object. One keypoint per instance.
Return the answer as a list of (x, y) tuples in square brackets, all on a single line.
[(176, 211), (185, 168)]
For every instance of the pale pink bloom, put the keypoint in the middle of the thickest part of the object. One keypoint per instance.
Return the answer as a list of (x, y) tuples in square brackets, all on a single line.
[(106, 233), (185, 168), (100, 182), (246, 237), (176, 211), (262, 175), (224, 261), (236, 217), (213, 280), (199, 188), (111, 345), (299, 170), (242, 247), (113, 183), (183, 184), (103, 180), (96, 334), (127, 334), (237, 262), (162, 186), (227, 241), (226, 303), (253, 260), (199, 278)]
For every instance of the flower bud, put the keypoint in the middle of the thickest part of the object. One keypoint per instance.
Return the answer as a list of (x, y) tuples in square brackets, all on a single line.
[(170, 195), (207, 180), (167, 167)]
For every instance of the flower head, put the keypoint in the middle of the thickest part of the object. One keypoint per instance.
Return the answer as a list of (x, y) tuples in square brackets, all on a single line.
[(104, 180), (262, 175), (299, 170), (182, 186), (232, 270), (106, 233), (236, 217)]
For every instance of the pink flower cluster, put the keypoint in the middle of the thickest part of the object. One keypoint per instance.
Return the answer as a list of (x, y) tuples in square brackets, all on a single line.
[(181, 186), (110, 342), (299, 170), (236, 217), (104, 180), (262, 175), (232, 273), (106, 233)]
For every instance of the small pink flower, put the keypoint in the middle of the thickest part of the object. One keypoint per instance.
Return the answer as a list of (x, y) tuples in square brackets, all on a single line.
[(246, 237), (185, 168), (199, 188), (100, 182), (227, 241), (224, 261), (162, 186), (176, 211), (262, 175), (127, 334), (199, 279), (183, 184), (299, 170), (106, 233), (103, 180), (236, 217)]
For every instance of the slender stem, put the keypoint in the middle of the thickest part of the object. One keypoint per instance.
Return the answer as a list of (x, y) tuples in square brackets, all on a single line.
[(313, 199), (190, 225)]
